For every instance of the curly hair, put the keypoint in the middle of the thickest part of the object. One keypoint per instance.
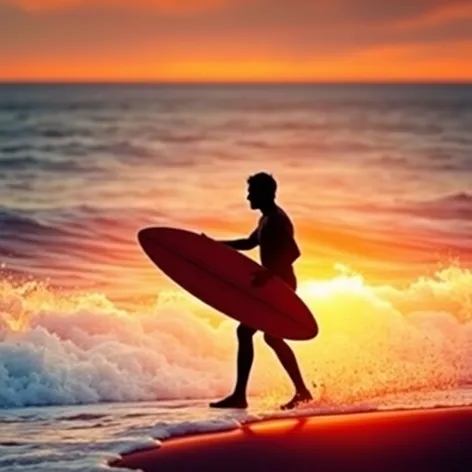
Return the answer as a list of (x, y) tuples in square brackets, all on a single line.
[(264, 182)]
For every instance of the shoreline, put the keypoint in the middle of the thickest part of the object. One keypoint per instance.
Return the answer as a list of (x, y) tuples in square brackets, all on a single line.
[(403, 440)]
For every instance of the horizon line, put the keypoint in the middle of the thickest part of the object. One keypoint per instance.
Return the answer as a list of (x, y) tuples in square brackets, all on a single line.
[(231, 82)]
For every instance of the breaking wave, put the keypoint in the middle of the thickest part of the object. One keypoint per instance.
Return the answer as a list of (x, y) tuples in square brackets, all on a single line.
[(373, 341)]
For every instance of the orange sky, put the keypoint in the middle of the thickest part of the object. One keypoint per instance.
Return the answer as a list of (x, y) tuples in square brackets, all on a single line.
[(233, 40)]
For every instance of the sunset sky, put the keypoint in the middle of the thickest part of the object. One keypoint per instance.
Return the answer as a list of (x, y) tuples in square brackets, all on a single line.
[(236, 40)]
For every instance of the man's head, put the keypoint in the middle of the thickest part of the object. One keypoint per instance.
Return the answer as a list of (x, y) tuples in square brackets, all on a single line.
[(262, 188)]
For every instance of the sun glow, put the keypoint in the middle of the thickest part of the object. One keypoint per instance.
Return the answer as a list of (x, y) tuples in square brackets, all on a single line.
[(347, 282)]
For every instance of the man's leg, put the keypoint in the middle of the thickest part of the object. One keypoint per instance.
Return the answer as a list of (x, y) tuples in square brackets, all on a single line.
[(289, 362), (245, 360)]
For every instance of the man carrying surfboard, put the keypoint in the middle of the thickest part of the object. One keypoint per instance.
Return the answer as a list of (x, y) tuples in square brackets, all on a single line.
[(278, 251)]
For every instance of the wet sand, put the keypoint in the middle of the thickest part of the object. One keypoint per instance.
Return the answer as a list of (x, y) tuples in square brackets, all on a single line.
[(416, 441)]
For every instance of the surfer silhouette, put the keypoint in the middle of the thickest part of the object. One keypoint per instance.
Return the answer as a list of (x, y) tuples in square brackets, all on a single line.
[(278, 251)]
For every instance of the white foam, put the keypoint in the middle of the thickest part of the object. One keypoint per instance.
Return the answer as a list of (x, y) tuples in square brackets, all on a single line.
[(372, 341), (134, 445), (194, 427)]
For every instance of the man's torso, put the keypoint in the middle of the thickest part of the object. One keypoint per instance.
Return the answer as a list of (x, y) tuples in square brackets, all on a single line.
[(275, 234)]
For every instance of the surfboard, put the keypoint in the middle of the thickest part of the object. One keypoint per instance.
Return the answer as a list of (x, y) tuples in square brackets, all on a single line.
[(222, 278)]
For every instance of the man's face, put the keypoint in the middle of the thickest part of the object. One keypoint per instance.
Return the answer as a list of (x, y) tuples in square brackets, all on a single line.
[(254, 197)]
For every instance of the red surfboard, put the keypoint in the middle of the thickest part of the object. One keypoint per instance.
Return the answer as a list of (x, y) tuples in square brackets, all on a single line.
[(222, 278)]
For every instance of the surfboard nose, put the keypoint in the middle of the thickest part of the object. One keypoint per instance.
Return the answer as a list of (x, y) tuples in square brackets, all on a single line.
[(145, 235)]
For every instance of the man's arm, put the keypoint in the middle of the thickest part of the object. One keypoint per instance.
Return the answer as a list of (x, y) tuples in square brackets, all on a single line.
[(245, 244)]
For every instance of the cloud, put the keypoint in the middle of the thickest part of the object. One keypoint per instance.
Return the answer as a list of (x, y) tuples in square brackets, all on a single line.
[(365, 11), (171, 6), (224, 37), (450, 12)]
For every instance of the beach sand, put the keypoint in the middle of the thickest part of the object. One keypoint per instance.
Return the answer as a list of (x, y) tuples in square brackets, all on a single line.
[(416, 441)]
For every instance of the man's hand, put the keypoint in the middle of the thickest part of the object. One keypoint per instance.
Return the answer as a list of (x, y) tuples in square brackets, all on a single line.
[(261, 277)]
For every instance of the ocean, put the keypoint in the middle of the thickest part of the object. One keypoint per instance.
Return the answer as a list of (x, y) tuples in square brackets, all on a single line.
[(100, 353)]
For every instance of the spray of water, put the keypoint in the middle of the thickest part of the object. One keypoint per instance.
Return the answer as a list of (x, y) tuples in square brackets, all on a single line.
[(373, 341)]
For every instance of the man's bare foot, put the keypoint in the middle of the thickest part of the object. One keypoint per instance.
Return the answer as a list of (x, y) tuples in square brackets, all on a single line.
[(298, 399), (232, 401)]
